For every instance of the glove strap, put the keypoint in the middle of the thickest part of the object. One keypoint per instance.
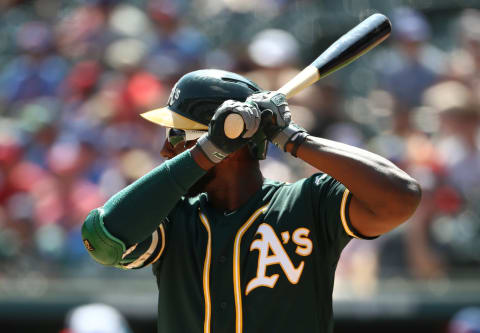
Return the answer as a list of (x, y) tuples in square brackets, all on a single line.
[(286, 135), (213, 153), (297, 140)]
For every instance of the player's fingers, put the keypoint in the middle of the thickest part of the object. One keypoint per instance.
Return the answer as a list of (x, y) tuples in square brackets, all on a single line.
[(251, 118)]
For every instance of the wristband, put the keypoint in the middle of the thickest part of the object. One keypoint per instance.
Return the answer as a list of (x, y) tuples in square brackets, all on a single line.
[(297, 140), (213, 153), (286, 135)]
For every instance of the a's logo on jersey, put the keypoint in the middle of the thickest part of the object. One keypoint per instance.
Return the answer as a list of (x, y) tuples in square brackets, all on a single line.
[(272, 252)]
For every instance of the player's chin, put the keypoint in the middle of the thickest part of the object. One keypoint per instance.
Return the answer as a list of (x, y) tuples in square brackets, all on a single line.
[(202, 184)]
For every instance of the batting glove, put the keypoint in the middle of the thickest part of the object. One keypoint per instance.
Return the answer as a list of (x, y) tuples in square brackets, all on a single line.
[(215, 144), (274, 109), (276, 120)]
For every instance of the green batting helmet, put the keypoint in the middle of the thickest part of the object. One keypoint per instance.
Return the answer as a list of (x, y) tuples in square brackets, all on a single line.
[(195, 97)]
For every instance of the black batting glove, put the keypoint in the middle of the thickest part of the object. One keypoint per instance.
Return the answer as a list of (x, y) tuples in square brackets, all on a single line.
[(275, 112), (215, 144), (276, 120)]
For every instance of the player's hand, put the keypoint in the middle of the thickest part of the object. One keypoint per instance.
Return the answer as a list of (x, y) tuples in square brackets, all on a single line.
[(276, 120), (274, 109), (216, 145)]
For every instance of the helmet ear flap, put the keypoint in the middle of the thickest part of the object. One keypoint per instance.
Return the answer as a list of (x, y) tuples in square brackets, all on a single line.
[(258, 146)]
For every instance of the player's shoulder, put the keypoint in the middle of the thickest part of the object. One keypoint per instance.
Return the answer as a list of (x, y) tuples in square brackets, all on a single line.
[(316, 179), (294, 196), (289, 189), (306, 188)]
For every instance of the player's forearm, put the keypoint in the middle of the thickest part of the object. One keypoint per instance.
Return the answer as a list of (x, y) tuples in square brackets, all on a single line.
[(133, 213), (389, 193)]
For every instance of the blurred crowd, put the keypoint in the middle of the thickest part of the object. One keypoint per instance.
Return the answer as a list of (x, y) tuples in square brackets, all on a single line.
[(74, 80)]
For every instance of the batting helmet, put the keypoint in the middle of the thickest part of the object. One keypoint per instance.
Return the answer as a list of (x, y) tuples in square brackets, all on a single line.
[(195, 97)]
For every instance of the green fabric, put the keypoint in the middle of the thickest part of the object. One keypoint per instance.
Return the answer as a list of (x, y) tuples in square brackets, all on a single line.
[(310, 206), (101, 245), (139, 250), (135, 212)]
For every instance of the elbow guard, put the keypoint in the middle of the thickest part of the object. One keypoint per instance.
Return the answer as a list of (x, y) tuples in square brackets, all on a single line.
[(101, 245)]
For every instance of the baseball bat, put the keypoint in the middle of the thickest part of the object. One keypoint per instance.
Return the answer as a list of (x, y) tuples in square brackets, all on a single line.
[(356, 42)]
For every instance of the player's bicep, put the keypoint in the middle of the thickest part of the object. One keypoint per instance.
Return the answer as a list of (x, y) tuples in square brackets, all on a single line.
[(333, 202), (351, 211), (364, 221)]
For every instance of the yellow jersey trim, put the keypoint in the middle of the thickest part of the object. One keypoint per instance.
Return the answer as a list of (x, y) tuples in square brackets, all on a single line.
[(162, 233), (153, 245), (343, 214), (206, 275), (236, 268)]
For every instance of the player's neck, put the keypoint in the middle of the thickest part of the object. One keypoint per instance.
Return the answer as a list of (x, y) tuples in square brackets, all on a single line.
[(235, 183)]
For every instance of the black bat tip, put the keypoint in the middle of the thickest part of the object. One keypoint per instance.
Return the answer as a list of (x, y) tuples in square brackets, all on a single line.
[(379, 19)]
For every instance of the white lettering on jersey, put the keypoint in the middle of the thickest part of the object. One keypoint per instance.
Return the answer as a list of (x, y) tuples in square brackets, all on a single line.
[(300, 237), (269, 243)]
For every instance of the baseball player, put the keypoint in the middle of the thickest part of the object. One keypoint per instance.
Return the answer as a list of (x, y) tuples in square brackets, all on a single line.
[(232, 251)]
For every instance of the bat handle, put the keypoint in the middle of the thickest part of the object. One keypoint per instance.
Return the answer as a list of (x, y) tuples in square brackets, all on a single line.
[(308, 76)]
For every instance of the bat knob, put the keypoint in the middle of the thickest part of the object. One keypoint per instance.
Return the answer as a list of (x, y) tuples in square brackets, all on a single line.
[(233, 126)]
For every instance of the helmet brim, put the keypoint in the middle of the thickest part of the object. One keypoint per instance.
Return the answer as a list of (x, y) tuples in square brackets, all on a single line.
[(168, 118)]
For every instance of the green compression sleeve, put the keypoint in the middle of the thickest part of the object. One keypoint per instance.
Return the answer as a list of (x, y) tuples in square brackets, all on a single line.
[(136, 211)]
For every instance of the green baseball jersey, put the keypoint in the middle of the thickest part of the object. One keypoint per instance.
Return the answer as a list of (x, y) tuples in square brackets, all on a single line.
[(266, 267)]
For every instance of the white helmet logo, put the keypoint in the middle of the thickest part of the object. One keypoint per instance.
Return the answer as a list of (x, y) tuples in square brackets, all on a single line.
[(174, 94)]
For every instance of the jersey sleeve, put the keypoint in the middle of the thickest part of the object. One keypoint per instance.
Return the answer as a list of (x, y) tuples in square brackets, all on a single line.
[(331, 202), (146, 252)]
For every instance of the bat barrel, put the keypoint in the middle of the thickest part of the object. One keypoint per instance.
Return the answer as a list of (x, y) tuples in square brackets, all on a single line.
[(365, 36), (356, 42)]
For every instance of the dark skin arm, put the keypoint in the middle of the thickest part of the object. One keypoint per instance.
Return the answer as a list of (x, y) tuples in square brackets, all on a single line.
[(200, 158), (384, 196)]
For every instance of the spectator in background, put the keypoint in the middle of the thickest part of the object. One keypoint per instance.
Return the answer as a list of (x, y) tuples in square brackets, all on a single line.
[(178, 47), (466, 320), (38, 71), (447, 222), (95, 318), (410, 67), (273, 55), (464, 62), (414, 64), (328, 119)]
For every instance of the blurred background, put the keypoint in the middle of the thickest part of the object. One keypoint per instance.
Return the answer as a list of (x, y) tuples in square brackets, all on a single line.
[(74, 76)]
